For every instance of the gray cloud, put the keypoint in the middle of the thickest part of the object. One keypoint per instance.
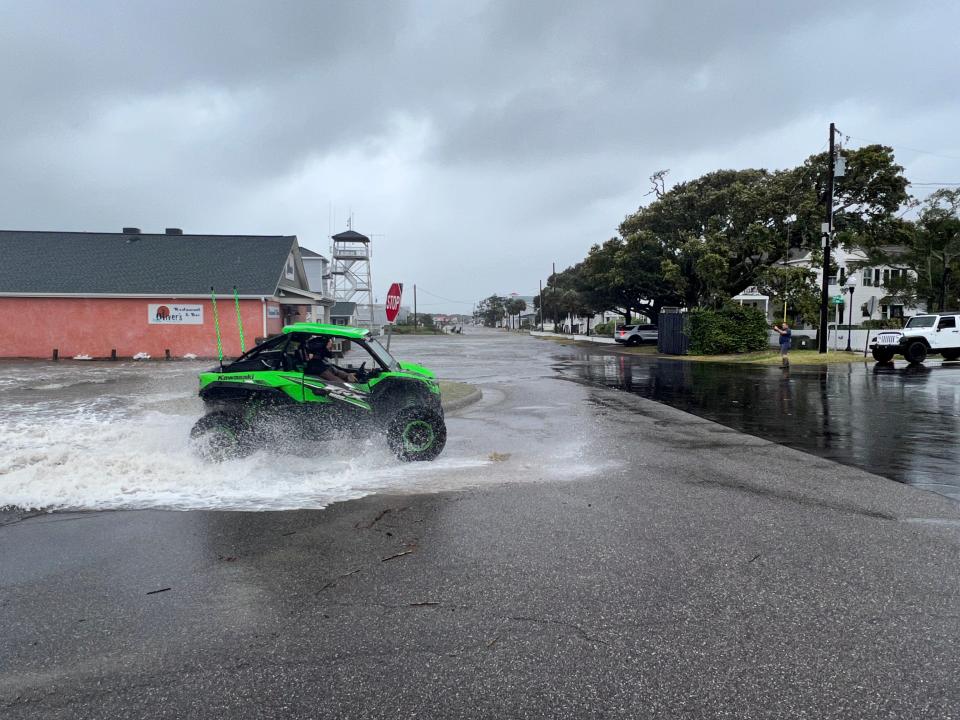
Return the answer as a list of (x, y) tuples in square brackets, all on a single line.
[(495, 138)]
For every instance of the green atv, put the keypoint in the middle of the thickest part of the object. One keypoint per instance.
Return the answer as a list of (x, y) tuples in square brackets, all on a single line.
[(268, 396)]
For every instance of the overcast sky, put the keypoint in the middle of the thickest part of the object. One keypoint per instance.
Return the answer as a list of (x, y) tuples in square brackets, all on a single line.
[(476, 142)]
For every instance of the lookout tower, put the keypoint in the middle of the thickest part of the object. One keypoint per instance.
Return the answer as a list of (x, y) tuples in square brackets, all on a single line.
[(351, 274)]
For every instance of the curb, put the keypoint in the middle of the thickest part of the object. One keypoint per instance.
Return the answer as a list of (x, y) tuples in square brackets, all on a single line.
[(473, 397)]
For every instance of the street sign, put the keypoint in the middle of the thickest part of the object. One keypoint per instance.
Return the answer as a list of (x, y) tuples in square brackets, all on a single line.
[(393, 301), (837, 299)]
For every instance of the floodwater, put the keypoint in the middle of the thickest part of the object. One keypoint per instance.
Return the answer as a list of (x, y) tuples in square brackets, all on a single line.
[(897, 420), (102, 435), (112, 435)]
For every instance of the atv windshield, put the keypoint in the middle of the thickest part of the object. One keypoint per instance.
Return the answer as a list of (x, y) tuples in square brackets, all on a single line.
[(921, 321), (381, 354)]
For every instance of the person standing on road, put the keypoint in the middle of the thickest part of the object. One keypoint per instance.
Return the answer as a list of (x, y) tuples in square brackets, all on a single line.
[(785, 334)]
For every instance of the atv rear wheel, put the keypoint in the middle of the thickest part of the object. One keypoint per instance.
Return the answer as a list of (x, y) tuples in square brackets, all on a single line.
[(216, 437), (417, 433)]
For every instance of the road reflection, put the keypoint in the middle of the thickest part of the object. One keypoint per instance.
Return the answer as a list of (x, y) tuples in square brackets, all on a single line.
[(894, 420)]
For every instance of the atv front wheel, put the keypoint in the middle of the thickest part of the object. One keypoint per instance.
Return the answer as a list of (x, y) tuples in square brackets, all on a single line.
[(216, 437), (417, 433)]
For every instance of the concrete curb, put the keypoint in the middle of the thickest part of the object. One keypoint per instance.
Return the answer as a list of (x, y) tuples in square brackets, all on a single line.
[(469, 399), (598, 339)]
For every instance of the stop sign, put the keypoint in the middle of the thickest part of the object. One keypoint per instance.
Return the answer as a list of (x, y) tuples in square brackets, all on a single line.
[(393, 301)]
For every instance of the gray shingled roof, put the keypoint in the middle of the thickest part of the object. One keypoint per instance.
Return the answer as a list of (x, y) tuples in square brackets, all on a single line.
[(343, 309), (116, 263), (351, 236)]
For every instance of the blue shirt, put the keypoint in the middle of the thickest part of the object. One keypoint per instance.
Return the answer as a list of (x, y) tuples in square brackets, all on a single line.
[(785, 336)]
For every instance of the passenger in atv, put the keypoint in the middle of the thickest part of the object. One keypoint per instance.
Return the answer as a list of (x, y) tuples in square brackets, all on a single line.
[(320, 365)]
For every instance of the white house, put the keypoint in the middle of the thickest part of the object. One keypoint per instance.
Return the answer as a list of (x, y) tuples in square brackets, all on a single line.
[(867, 282)]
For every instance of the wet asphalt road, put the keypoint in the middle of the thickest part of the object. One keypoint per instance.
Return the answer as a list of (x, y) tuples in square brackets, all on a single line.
[(897, 420), (683, 570)]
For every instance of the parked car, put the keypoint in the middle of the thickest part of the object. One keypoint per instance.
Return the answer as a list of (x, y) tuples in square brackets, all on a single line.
[(922, 335), (636, 334)]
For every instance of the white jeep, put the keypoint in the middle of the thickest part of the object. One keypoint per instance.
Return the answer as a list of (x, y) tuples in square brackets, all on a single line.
[(922, 335)]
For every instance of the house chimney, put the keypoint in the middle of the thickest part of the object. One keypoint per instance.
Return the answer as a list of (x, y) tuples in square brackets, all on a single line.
[(131, 231), (174, 231)]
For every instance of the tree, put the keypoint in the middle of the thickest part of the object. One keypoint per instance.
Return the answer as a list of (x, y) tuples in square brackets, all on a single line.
[(794, 288), (929, 247), (513, 307), (715, 235), (625, 275), (939, 239), (491, 310)]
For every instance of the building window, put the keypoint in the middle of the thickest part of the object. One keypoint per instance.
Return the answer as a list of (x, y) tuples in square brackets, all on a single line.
[(868, 277), (896, 311)]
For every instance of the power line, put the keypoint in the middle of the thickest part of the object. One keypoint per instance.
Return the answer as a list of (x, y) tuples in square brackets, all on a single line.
[(935, 184), (904, 147), (440, 297)]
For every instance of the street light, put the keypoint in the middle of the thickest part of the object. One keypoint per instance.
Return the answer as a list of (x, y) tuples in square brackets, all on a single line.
[(850, 285)]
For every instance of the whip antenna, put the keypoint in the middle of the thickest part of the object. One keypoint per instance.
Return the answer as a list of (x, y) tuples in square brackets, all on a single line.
[(216, 325), (236, 300)]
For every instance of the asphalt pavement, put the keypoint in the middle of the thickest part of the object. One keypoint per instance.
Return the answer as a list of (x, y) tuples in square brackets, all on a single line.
[(679, 569)]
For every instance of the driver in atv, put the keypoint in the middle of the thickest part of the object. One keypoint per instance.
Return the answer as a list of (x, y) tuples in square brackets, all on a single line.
[(320, 362)]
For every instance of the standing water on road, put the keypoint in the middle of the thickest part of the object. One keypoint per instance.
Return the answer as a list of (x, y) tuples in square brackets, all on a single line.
[(899, 421), (102, 435), (106, 435)]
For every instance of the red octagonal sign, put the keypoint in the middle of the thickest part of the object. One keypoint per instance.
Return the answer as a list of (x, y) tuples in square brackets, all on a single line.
[(393, 301)]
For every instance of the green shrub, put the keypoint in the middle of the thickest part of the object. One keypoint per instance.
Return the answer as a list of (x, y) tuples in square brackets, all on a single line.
[(734, 329)]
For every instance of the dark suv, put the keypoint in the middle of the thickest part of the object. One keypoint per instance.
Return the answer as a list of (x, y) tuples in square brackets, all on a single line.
[(636, 334)]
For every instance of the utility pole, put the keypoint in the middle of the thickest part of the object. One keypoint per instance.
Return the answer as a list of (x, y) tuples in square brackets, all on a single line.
[(552, 274), (541, 306), (826, 232), (414, 309)]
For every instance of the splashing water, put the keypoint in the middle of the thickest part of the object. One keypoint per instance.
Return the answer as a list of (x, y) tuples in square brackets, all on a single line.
[(99, 436)]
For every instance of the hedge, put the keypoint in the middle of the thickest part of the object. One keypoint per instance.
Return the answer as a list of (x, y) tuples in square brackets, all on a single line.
[(734, 329)]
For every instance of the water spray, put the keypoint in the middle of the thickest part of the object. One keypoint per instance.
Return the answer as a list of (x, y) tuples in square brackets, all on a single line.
[(216, 326), (236, 300)]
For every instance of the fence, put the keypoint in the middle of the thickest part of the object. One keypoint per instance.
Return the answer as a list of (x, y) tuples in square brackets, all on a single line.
[(671, 336)]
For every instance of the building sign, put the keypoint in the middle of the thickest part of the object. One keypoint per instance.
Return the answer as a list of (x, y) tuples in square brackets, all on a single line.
[(273, 311), (174, 314)]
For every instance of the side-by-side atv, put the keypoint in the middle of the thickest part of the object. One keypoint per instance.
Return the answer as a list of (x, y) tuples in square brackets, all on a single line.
[(270, 395)]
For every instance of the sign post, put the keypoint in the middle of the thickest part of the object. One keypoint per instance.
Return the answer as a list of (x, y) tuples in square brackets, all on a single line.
[(871, 306), (393, 308)]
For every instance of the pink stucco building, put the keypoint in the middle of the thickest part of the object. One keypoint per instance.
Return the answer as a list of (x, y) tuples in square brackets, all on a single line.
[(120, 294)]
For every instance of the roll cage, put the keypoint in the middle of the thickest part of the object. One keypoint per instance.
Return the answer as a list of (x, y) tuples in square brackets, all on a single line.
[(287, 352)]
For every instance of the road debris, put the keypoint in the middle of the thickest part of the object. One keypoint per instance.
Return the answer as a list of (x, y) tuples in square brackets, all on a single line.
[(400, 554)]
